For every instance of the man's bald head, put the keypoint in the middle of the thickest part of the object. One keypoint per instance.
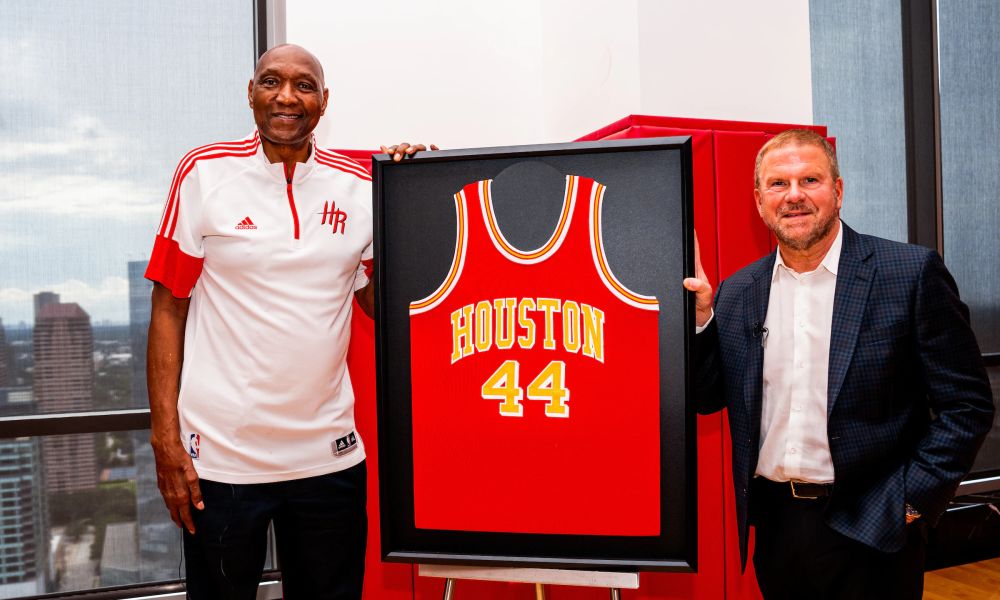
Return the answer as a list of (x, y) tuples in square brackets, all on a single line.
[(284, 51), (288, 97)]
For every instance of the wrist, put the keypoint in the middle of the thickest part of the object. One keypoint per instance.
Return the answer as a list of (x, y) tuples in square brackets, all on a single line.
[(702, 321), (164, 440)]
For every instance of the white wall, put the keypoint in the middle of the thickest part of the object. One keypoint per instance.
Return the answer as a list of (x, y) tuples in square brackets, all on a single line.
[(468, 74), (726, 59)]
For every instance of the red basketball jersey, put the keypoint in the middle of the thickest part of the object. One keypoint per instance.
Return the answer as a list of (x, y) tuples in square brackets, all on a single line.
[(535, 383)]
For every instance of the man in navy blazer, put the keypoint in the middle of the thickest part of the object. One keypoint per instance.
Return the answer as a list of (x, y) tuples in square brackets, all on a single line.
[(855, 387)]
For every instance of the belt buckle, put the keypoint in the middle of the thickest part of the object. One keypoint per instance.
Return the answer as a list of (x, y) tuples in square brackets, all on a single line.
[(795, 493)]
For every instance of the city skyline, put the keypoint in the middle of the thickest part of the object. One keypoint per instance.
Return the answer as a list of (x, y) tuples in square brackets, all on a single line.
[(106, 302), (68, 363)]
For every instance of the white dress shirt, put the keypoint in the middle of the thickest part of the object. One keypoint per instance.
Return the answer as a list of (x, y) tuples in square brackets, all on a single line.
[(794, 444)]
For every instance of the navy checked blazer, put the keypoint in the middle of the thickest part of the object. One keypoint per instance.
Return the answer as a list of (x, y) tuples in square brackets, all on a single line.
[(901, 349)]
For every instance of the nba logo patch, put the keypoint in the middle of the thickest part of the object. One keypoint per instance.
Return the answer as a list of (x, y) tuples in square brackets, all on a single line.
[(194, 446)]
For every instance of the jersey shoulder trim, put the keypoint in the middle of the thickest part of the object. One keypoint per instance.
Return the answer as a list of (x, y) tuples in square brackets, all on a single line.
[(457, 262), (343, 163), (173, 268), (545, 250), (600, 257), (239, 148)]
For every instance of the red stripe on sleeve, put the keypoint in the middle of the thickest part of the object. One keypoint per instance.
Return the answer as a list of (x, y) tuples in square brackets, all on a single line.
[(369, 267), (172, 268)]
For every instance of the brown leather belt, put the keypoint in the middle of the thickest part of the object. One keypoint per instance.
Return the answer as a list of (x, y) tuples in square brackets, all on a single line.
[(801, 490)]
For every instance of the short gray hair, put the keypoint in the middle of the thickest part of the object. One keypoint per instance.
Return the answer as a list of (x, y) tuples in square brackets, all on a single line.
[(797, 137)]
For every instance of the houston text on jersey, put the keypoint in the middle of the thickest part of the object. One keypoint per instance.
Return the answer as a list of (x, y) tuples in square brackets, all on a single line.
[(504, 322)]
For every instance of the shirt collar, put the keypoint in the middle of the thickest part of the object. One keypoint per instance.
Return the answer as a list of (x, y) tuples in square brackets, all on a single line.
[(277, 170), (830, 262)]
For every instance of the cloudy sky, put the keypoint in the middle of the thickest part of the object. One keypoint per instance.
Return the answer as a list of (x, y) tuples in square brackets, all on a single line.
[(98, 104)]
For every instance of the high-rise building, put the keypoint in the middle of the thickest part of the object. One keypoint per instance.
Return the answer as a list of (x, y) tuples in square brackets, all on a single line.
[(23, 530), (43, 299), (159, 538), (64, 382), (4, 357), (140, 302)]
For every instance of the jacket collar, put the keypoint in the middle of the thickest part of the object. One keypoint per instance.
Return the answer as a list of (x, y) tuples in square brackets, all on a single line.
[(854, 282)]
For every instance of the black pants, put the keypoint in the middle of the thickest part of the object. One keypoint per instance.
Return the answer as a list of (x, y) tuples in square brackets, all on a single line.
[(321, 529), (798, 556)]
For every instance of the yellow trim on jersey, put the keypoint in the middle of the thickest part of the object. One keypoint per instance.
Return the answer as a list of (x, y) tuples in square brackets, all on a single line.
[(456, 262), (602, 262), (564, 219)]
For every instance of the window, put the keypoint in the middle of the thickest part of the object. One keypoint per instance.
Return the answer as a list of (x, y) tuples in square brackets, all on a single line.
[(970, 127), (857, 81), (873, 69), (99, 104)]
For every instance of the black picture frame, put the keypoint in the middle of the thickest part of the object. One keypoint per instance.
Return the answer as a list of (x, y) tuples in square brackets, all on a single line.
[(649, 244)]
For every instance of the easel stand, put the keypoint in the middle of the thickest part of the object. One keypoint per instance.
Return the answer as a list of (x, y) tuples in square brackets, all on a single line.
[(615, 582)]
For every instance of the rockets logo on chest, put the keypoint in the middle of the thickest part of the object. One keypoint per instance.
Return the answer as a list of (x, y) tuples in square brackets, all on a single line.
[(336, 218)]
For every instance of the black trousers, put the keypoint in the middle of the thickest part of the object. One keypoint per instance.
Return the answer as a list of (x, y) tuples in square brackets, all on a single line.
[(798, 556), (321, 529)]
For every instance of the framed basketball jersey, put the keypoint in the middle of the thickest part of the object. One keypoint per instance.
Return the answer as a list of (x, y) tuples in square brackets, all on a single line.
[(531, 341)]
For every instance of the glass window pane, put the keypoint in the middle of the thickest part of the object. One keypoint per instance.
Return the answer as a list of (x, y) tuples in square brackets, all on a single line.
[(104, 525), (67, 531), (988, 460), (857, 83), (970, 179), (159, 541), (98, 105)]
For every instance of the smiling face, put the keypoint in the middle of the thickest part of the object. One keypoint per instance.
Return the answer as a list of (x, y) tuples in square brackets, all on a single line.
[(288, 97), (798, 197)]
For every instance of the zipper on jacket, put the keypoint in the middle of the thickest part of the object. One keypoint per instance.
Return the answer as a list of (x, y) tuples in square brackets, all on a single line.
[(289, 174)]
